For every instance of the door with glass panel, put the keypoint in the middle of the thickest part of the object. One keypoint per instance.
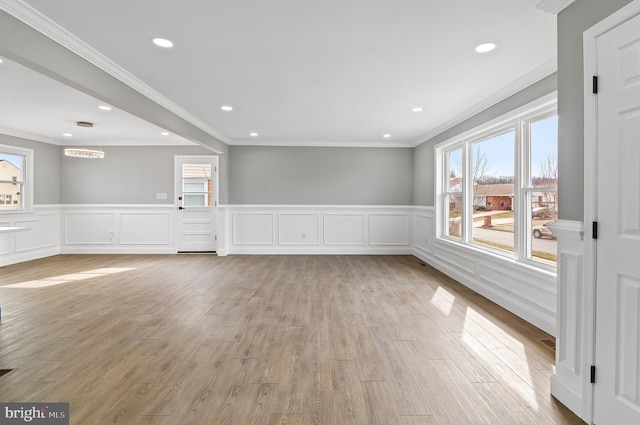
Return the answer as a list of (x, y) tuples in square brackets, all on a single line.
[(196, 194)]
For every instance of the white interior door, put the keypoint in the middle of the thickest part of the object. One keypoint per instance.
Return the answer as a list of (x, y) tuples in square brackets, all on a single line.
[(196, 189), (617, 387)]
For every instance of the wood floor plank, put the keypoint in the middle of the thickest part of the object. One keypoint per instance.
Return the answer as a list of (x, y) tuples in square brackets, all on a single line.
[(313, 340)]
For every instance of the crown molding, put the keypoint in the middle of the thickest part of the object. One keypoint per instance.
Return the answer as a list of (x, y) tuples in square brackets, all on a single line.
[(554, 6), (29, 136), (50, 29), (520, 84), (325, 144)]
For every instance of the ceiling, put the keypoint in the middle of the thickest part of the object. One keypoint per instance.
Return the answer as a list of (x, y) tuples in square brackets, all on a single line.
[(297, 72)]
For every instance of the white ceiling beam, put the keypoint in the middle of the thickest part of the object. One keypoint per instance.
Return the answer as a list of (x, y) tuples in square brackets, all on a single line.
[(554, 6)]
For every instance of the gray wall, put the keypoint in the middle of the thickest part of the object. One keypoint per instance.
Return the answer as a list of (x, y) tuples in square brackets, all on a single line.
[(320, 175), (46, 158), (424, 176), (22, 44), (572, 22), (126, 175)]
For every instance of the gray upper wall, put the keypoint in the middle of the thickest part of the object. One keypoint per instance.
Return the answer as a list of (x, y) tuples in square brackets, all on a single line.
[(320, 175), (126, 175), (22, 44), (424, 161), (572, 22), (46, 173)]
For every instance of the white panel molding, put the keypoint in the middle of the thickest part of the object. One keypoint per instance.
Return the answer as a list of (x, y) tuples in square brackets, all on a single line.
[(307, 225), (389, 229), (344, 229), (569, 382), (89, 228), (489, 274), (118, 229), (258, 228), (145, 228), (42, 239)]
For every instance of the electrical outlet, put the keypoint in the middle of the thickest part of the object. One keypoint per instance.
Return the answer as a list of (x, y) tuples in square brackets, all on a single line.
[(161, 195), (304, 236)]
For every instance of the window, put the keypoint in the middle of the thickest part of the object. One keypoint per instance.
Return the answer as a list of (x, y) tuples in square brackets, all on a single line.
[(498, 185), (196, 185), (15, 178)]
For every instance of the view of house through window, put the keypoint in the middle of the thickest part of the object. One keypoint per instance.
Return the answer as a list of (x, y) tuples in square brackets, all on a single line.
[(11, 181), (492, 170), (196, 185), (500, 189)]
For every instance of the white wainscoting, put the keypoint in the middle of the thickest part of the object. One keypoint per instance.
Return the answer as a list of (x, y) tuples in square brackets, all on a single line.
[(526, 291), (42, 239), (571, 381), (315, 229), (118, 229)]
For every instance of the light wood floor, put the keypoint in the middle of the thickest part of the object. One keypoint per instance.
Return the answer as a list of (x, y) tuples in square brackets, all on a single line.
[(198, 339)]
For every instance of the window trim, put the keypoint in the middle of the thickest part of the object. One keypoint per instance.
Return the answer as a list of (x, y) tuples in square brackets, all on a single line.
[(518, 120), (27, 184)]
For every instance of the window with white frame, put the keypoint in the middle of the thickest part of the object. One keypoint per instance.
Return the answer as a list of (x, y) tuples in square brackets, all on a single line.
[(498, 185), (16, 184)]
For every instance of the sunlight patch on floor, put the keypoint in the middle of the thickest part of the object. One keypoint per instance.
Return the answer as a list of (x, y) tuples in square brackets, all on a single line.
[(443, 300), (73, 277), (520, 387)]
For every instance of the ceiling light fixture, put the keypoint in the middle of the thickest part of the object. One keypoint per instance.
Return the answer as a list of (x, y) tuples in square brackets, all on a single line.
[(417, 109), (386, 136), (67, 134), (84, 153), (253, 134), (226, 108), (164, 133), (81, 152), (1, 61), (485, 47), (162, 42), (104, 107)]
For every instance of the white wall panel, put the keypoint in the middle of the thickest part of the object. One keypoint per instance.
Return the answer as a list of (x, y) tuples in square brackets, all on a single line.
[(344, 229), (253, 229), (89, 228), (6, 239), (388, 229), (42, 239), (144, 228), (43, 233), (298, 229)]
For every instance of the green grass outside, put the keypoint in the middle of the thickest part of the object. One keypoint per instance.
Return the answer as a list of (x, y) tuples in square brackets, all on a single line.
[(537, 254), (506, 214)]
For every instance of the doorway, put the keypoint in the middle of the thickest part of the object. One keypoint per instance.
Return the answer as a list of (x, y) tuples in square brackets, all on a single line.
[(612, 203), (196, 192)]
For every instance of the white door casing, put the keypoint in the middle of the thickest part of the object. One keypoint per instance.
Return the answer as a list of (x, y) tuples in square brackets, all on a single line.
[(196, 200), (617, 340)]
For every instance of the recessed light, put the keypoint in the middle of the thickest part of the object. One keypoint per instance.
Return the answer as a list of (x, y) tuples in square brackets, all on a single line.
[(1, 61), (226, 108), (67, 134), (417, 109), (485, 47), (162, 42), (253, 134), (104, 108), (164, 133), (386, 136)]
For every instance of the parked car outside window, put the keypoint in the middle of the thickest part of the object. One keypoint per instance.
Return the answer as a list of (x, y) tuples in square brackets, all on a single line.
[(543, 230)]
